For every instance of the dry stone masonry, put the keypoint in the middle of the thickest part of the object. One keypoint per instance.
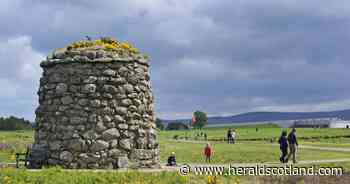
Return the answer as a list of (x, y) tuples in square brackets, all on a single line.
[(96, 107)]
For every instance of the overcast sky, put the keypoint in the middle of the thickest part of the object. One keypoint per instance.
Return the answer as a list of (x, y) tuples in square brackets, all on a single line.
[(222, 57)]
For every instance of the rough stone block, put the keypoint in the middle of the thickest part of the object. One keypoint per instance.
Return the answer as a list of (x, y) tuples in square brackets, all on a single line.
[(142, 154), (110, 134), (99, 145), (122, 162), (95, 109)]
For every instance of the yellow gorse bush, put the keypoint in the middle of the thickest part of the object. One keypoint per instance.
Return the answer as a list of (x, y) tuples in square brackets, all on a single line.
[(213, 180), (108, 44), (7, 180)]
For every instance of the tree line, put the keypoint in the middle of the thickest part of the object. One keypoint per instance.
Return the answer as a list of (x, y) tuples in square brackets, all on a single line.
[(14, 123), (199, 120)]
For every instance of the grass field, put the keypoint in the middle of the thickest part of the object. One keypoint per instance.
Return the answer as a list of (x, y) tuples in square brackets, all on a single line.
[(57, 176), (189, 152), (248, 149), (246, 133), (239, 153), (12, 142)]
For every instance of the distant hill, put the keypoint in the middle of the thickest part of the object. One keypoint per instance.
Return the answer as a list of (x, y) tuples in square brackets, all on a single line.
[(271, 116)]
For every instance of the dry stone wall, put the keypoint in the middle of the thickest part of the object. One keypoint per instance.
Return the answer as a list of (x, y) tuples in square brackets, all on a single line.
[(96, 111)]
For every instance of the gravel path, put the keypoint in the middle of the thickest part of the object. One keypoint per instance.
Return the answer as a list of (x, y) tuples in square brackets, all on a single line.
[(325, 148)]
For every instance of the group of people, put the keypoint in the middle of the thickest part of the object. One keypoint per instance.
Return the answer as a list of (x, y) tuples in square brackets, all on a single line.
[(231, 136), (288, 146), (290, 142)]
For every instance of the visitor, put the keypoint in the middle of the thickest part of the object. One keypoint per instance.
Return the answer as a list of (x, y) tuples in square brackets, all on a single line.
[(208, 152), (172, 160), (283, 146), (233, 136), (205, 136), (293, 145), (229, 136)]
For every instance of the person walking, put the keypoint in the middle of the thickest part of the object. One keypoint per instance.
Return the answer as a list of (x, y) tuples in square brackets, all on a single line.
[(208, 152), (229, 136), (233, 136), (293, 145), (283, 146)]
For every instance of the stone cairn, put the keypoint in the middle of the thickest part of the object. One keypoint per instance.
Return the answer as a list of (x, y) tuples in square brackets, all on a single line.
[(96, 107)]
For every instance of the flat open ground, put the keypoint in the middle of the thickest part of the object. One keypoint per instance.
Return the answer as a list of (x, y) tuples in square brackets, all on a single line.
[(320, 147)]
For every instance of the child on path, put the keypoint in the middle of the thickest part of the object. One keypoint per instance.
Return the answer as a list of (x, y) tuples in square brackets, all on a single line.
[(208, 152), (172, 160)]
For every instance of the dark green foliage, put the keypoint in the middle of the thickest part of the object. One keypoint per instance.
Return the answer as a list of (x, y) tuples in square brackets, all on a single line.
[(159, 124), (14, 123), (201, 119), (176, 126)]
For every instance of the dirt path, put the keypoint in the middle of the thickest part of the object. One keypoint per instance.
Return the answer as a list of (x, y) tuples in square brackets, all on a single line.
[(325, 148)]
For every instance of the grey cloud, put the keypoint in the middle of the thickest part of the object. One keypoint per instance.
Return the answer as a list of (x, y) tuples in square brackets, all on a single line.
[(220, 56), (19, 76)]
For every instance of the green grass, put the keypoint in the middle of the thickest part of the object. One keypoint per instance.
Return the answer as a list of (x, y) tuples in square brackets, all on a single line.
[(252, 151), (239, 153), (17, 142), (244, 133), (14, 135), (58, 176), (186, 152)]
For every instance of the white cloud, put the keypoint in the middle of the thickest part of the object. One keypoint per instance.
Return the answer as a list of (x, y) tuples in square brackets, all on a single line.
[(19, 77), (20, 59), (220, 56)]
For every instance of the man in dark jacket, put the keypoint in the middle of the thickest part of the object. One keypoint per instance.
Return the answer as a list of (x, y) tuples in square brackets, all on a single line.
[(283, 146), (293, 145), (229, 136)]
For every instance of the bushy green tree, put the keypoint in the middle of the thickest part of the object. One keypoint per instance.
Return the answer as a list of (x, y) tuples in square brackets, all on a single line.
[(177, 126), (200, 119), (14, 123), (159, 124)]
